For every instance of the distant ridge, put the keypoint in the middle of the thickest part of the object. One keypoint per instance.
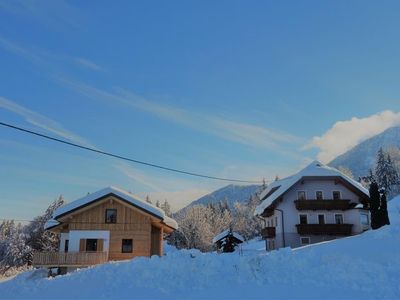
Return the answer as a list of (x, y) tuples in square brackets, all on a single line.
[(362, 157), (231, 193)]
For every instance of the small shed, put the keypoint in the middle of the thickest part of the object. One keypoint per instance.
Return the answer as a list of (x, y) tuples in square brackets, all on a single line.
[(227, 241)]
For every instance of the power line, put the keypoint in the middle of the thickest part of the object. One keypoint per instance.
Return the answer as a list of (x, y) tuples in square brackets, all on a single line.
[(123, 157)]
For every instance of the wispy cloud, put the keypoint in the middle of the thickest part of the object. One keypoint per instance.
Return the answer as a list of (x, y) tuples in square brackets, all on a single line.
[(41, 121), (47, 60), (344, 135), (55, 14), (243, 133), (87, 64)]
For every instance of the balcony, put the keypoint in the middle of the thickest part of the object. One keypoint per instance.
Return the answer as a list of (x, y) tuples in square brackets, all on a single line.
[(322, 204), (69, 259), (324, 229), (268, 232)]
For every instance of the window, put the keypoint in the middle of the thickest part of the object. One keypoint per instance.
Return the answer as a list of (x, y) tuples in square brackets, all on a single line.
[(364, 219), (336, 195), (301, 195), (276, 221), (127, 246), (338, 218), (268, 223), (91, 245), (66, 245), (303, 219), (318, 195), (111, 216), (304, 240), (321, 219)]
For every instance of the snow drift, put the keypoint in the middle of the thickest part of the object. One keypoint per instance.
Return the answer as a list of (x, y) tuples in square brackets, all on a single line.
[(360, 267)]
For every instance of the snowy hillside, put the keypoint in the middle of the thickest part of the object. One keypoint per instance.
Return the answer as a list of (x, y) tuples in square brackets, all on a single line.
[(360, 267), (362, 157), (231, 193)]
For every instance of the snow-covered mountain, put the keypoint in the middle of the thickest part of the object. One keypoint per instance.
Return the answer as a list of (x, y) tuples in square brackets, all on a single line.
[(231, 193), (365, 266), (362, 157)]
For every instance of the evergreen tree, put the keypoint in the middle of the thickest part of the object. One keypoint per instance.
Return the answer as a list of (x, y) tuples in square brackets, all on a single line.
[(384, 216), (166, 208), (374, 205), (386, 173), (148, 199)]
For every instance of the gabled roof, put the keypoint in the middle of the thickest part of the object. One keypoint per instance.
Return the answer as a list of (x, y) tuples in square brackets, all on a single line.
[(315, 169), (124, 195), (225, 234)]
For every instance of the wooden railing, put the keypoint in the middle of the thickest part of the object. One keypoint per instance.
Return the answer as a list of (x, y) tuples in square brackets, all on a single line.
[(322, 204), (69, 259), (322, 229), (268, 232)]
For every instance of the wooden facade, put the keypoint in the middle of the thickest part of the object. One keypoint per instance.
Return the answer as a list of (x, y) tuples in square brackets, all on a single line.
[(141, 230)]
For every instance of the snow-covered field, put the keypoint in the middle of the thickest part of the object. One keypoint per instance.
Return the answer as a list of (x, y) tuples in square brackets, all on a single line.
[(360, 267)]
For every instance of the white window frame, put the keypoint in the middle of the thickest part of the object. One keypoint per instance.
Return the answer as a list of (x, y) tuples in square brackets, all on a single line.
[(322, 192), (368, 219), (305, 237), (340, 195), (338, 214), (306, 214), (305, 194), (322, 214)]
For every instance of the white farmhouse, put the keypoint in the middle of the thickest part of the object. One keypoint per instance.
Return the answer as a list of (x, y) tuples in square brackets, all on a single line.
[(317, 204)]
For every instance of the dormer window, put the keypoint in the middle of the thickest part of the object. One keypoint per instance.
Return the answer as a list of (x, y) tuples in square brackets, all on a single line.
[(111, 216), (318, 195), (301, 195), (336, 195)]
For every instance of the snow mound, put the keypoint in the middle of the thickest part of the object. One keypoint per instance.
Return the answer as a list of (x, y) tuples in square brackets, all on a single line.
[(366, 266)]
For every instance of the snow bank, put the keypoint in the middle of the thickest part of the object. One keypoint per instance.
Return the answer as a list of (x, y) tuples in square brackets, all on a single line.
[(361, 267)]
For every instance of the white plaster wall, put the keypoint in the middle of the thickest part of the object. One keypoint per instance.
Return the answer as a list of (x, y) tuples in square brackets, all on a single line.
[(291, 214), (76, 235)]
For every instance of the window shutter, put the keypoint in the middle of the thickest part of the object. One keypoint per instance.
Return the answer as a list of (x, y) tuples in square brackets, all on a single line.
[(82, 245), (100, 243)]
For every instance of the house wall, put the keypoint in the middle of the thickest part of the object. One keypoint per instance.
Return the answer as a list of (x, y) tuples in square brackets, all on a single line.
[(131, 223), (292, 215)]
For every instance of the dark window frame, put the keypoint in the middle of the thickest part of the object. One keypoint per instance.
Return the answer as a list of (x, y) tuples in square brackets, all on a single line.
[(339, 195), (66, 245), (300, 218), (322, 195), (323, 219), (130, 244), (113, 220), (89, 243)]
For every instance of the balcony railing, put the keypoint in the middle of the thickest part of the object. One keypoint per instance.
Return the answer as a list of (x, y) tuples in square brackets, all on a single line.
[(69, 259), (322, 229), (322, 204), (268, 232)]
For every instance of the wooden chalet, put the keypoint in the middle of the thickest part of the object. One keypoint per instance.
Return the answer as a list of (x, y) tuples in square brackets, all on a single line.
[(110, 224)]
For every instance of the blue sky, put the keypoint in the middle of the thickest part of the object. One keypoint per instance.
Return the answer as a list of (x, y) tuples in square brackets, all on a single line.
[(228, 88)]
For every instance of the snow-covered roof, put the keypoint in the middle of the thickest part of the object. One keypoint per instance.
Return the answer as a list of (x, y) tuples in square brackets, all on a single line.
[(225, 234), (315, 169), (130, 198)]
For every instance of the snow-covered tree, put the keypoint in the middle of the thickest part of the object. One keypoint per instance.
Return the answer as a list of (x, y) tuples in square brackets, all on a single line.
[(38, 238), (386, 174), (166, 208)]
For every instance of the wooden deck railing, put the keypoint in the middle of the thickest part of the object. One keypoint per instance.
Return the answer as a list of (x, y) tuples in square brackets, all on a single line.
[(268, 232), (322, 204), (69, 259), (322, 229)]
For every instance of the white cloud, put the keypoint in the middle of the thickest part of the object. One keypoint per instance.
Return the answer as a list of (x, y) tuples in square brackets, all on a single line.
[(344, 135), (41, 121), (239, 132), (87, 64)]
